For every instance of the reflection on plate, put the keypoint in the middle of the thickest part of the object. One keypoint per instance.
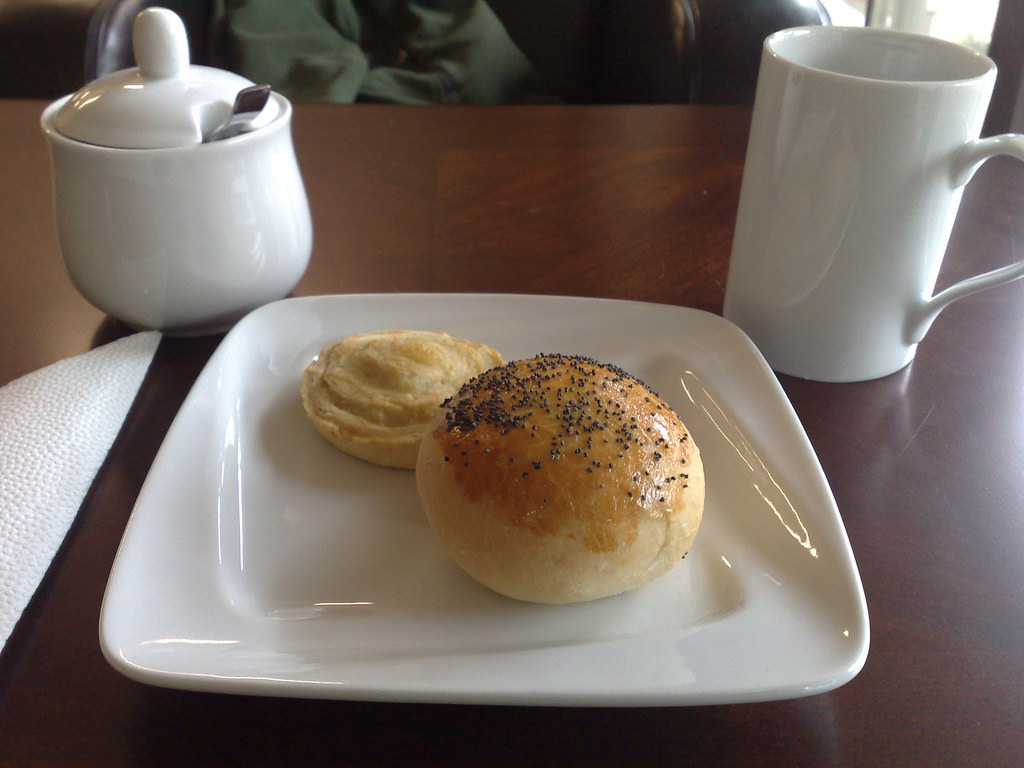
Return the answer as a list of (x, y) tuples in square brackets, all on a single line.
[(261, 560)]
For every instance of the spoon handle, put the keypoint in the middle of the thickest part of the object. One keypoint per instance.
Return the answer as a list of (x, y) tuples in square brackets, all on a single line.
[(248, 104)]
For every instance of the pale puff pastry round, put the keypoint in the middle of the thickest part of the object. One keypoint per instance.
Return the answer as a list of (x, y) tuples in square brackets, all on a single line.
[(374, 395)]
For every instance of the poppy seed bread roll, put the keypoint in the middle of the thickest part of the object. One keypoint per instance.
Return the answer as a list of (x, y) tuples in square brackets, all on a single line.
[(559, 479)]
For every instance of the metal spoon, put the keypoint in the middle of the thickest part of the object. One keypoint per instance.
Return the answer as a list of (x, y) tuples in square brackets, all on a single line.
[(248, 104)]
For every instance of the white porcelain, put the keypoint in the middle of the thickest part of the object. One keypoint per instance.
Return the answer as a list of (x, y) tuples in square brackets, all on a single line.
[(159, 228), (261, 560), (861, 142), (163, 102), (185, 239)]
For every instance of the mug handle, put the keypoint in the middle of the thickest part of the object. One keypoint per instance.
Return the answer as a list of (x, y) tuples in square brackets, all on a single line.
[(967, 160)]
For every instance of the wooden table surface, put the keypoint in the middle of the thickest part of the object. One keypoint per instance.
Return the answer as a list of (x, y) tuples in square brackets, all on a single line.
[(927, 465)]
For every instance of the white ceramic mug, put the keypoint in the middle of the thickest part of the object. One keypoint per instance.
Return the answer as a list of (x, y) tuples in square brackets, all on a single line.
[(860, 145)]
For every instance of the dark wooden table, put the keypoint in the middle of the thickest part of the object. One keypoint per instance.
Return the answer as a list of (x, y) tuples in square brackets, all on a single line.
[(927, 465)]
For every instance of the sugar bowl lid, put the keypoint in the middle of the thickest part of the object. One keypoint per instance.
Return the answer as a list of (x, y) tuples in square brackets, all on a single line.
[(163, 102)]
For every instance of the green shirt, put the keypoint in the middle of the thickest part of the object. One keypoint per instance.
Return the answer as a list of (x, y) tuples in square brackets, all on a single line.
[(402, 51)]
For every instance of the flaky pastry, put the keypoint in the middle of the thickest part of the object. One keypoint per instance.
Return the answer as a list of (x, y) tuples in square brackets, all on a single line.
[(373, 395)]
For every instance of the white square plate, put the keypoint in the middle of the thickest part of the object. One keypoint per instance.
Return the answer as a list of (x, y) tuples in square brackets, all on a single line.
[(261, 560)]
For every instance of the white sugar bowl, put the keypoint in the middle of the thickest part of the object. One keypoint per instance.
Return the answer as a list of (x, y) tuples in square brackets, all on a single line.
[(160, 225)]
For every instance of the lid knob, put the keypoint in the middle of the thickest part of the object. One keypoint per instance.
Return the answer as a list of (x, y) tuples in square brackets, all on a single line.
[(163, 102), (160, 43)]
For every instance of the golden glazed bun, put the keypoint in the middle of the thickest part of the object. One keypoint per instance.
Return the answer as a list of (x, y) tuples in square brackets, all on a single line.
[(560, 479), (374, 395)]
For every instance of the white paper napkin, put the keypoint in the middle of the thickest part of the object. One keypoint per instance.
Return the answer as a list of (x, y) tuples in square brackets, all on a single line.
[(56, 427)]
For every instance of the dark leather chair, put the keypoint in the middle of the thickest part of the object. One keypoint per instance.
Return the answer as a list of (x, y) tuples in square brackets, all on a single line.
[(41, 47), (585, 51), (652, 51)]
